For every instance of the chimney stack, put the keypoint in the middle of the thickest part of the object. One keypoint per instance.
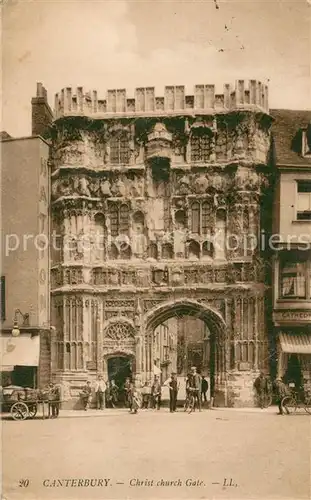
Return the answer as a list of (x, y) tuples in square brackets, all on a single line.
[(42, 115)]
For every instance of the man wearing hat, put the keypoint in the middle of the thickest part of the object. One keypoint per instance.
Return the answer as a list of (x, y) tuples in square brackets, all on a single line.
[(173, 387), (195, 384), (281, 391)]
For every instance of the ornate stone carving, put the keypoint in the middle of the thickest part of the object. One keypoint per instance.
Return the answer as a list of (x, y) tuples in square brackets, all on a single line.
[(119, 331), (105, 188), (201, 184)]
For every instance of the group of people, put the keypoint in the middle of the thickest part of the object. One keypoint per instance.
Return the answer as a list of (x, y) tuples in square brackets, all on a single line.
[(150, 395), (106, 393), (135, 396), (264, 387)]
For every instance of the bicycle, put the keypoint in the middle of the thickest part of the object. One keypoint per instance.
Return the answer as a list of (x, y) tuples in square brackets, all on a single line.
[(267, 400), (189, 405), (293, 401)]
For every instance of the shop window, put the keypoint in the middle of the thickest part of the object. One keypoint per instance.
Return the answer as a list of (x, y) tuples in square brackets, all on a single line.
[(304, 200), (119, 148), (295, 276), (2, 299)]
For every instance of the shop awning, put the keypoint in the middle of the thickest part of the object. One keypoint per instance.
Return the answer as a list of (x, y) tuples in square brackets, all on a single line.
[(21, 351), (298, 343)]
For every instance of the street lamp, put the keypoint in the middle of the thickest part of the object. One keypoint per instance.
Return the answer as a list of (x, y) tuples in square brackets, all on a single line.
[(15, 329)]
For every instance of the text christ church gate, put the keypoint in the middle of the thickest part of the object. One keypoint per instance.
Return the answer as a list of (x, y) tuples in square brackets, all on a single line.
[(154, 211)]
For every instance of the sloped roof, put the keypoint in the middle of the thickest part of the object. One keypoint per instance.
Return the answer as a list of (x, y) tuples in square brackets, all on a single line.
[(287, 136)]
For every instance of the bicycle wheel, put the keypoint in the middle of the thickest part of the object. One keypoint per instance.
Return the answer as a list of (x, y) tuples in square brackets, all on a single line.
[(289, 404), (307, 404)]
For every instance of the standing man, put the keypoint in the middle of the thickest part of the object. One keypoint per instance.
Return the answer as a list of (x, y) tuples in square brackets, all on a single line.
[(156, 393), (114, 393), (260, 385), (195, 384), (173, 387), (127, 393), (86, 395), (54, 400), (100, 389), (204, 389), (281, 391)]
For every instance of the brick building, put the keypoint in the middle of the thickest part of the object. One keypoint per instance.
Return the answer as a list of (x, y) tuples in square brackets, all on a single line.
[(153, 201), (292, 256), (25, 282)]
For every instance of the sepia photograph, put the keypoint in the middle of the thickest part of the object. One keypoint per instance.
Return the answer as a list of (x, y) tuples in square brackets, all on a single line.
[(155, 297)]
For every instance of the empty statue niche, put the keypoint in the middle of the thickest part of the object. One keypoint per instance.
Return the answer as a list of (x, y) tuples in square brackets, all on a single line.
[(100, 234), (139, 234), (193, 250), (160, 170), (180, 220)]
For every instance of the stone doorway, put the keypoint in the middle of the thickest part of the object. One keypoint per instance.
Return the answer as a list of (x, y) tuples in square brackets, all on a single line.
[(199, 340), (119, 368)]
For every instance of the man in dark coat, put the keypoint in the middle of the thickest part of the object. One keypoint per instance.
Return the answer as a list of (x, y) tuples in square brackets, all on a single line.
[(281, 391), (173, 387), (86, 395), (261, 387), (204, 389)]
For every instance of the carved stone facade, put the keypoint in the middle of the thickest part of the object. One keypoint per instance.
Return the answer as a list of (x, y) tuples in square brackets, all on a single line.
[(155, 214)]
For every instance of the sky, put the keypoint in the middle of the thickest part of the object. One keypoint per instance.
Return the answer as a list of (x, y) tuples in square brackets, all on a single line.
[(108, 44)]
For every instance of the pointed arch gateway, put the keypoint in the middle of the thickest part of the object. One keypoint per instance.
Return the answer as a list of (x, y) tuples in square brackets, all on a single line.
[(218, 338)]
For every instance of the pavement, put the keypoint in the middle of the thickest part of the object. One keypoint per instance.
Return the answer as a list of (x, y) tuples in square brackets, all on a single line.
[(238, 453)]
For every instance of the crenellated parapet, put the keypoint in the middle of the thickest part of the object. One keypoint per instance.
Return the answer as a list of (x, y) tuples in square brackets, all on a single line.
[(245, 95)]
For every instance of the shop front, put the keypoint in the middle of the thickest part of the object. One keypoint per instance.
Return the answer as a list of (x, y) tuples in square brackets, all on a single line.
[(20, 360), (294, 356)]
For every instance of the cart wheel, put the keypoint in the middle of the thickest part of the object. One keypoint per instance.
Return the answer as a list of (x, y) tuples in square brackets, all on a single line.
[(32, 411), (19, 411)]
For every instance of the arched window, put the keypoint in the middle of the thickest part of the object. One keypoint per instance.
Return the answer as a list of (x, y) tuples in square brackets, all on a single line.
[(124, 219), (119, 148), (152, 251), (167, 251), (125, 252), (208, 249), (113, 252), (180, 219), (119, 219), (220, 235), (195, 218), (194, 250), (200, 146), (206, 219)]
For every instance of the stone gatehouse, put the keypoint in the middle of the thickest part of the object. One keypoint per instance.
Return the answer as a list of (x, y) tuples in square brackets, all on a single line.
[(156, 208)]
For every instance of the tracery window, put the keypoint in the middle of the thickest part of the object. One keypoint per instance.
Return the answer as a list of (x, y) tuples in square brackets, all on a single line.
[(201, 217), (119, 148), (200, 146), (119, 219)]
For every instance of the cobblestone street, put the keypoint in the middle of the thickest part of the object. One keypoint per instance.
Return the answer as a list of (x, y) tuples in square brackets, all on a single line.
[(158, 455)]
